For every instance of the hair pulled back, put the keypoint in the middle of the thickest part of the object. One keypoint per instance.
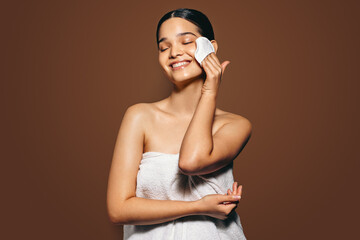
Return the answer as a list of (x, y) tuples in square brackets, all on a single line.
[(193, 16)]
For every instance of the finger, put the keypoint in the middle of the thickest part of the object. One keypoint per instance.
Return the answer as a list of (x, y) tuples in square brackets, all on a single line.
[(207, 66), (211, 71), (215, 58), (216, 65), (224, 65), (212, 64), (228, 194), (228, 198), (231, 205), (235, 188), (239, 190)]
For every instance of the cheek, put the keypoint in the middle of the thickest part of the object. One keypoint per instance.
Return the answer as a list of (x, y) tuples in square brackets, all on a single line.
[(191, 50), (162, 60)]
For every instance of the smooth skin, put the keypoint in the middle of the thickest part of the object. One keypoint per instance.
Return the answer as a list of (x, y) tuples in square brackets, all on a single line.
[(187, 122)]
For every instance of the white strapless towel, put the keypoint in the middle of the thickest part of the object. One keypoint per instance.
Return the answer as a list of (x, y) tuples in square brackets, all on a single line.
[(159, 177)]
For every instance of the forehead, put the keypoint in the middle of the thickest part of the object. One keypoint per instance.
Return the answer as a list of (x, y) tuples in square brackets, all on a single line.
[(176, 25)]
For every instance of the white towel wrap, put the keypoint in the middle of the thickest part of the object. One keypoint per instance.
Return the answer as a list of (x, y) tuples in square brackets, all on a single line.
[(159, 177)]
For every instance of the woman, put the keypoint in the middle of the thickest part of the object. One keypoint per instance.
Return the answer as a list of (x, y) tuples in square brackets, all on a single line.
[(173, 158)]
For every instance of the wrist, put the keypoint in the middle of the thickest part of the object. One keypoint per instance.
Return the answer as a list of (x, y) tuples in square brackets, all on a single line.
[(197, 207), (209, 94)]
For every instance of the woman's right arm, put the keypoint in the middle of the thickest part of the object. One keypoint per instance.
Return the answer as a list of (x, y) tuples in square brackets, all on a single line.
[(122, 204)]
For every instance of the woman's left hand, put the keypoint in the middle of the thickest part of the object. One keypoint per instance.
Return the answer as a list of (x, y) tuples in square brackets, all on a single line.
[(237, 190), (214, 71)]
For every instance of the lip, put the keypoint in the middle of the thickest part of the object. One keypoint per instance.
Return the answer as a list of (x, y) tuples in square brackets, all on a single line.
[(180, 67)]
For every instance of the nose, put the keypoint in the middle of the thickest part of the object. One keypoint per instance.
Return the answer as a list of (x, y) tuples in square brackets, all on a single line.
[(175, 51)]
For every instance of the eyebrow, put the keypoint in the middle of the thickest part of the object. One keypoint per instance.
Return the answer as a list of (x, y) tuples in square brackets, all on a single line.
[(178, 35)]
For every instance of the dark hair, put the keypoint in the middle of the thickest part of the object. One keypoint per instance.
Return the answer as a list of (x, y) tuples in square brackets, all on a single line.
[(193, 16)]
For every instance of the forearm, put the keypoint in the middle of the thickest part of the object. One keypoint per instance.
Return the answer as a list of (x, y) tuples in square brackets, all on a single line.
[(198, 142), (142, 211)]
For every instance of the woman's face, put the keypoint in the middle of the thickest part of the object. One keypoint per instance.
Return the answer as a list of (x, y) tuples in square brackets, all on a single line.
[(177, 50)]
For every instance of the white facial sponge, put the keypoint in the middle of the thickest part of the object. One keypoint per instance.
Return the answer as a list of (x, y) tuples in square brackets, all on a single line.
[(203, 48)]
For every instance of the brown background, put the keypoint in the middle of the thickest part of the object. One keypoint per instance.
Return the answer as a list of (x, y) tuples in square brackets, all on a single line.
[(70, 69)]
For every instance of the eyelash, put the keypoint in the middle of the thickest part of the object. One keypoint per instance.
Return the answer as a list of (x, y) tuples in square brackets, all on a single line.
[(162, 50)]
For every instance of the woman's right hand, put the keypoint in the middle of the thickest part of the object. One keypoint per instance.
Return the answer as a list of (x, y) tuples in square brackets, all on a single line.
[(218, 205)]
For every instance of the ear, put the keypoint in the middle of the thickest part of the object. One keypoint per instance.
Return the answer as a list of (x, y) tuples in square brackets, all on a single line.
[(215, 45)]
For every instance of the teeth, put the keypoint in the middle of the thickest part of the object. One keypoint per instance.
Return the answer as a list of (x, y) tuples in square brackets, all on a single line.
[(179, 64)]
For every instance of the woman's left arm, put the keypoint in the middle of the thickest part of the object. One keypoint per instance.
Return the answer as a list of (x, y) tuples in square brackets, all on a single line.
[(200, 151)]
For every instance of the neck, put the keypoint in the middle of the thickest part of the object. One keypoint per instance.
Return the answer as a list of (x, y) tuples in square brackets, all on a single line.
[(184, 99)]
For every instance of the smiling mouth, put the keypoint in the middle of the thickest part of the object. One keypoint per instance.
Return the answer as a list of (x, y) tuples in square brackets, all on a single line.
[(179, 65)]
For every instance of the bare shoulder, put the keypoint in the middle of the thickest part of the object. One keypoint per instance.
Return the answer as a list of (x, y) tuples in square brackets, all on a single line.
[(139, 110), (140, 114), (233, 119)]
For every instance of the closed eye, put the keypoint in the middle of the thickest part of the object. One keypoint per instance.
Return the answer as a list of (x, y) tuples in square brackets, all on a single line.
[(162, 50), (187, 43)]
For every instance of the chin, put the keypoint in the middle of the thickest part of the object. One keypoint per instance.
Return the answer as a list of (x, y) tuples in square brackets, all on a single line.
[(186, 76), (184, 79)]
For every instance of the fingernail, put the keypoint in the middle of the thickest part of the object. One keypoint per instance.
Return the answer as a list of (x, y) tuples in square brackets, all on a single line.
[(236, 196)]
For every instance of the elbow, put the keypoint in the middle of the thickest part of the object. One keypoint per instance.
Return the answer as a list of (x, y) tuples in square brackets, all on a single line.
[(117, 216), (189, 168), (117, 219), (114, 219)]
